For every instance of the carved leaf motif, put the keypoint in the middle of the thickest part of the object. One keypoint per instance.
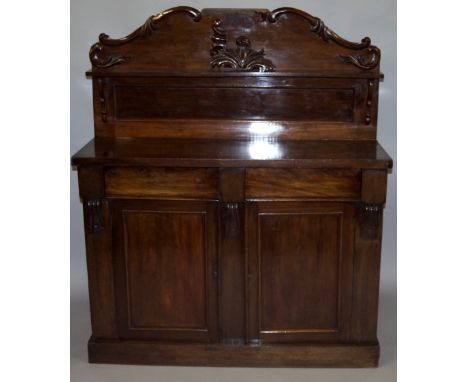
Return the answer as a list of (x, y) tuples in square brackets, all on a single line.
[(242, 57)]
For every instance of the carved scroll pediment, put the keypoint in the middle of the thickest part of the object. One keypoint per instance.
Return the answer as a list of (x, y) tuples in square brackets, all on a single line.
[(237, 52), (101, 58), (242, 57), (367, 60), (367, 57)]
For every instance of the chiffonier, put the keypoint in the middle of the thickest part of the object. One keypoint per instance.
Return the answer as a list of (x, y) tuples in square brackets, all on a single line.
[(233, 192)]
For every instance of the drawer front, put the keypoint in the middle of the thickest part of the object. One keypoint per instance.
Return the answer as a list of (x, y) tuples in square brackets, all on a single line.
[(158, 182), (302, 183)]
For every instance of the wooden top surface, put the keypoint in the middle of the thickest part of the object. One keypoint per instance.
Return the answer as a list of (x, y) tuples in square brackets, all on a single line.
[(232, 153)]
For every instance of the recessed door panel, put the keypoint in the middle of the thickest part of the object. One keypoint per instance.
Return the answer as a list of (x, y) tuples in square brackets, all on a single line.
[(299, 270), (166, 267)]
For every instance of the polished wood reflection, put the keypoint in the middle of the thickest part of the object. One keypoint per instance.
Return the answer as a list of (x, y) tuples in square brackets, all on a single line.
[(233, 153)]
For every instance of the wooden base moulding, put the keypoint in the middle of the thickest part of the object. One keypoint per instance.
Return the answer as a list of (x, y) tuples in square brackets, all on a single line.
[(297, 355)]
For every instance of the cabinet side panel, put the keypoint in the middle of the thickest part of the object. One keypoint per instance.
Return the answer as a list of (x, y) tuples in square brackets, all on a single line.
[(100, 276), (367, 256), (98, 238), (366, 275)]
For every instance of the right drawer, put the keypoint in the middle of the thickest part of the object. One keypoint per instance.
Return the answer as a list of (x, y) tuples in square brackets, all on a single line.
[(269, 183)]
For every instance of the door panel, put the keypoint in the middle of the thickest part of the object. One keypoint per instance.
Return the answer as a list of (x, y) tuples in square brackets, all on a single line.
[(166, 266), (299, 270)]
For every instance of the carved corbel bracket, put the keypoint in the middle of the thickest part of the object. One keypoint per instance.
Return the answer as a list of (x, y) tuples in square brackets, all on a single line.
[(94, 215), (231, 220), (370, 219)]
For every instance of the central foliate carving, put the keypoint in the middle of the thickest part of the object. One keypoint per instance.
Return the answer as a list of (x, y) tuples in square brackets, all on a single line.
[(242, 57)]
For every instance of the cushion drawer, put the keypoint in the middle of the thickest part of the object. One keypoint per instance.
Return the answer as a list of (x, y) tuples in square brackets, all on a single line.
[(302, 183), (162, 182)]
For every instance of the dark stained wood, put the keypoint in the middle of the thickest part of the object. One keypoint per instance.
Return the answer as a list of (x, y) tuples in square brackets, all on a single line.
[(161, 182), (137, 93), (363, 321), (166, 264), (242, 58), (374, 186), (224, 107), (175, 301), (98, 239), (233, 192), (302, 183), (232, 283), (234, 153), (299, 271), (101, 275), (232, 184), (298, 355), (136, 103), (185, 39), (322, 73), (235, 129), (91, 182)]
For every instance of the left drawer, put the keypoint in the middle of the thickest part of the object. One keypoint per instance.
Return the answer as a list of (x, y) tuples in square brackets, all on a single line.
[(162, 182)]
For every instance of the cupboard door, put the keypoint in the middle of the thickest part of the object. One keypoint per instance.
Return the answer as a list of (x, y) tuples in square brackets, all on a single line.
[(299, 271), (166, 269)]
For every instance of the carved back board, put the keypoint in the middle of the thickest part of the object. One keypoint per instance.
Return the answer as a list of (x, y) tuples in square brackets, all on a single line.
[(235, 73)]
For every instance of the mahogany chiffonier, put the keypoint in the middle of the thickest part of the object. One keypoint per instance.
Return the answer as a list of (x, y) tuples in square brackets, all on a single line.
[(233, 192)]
